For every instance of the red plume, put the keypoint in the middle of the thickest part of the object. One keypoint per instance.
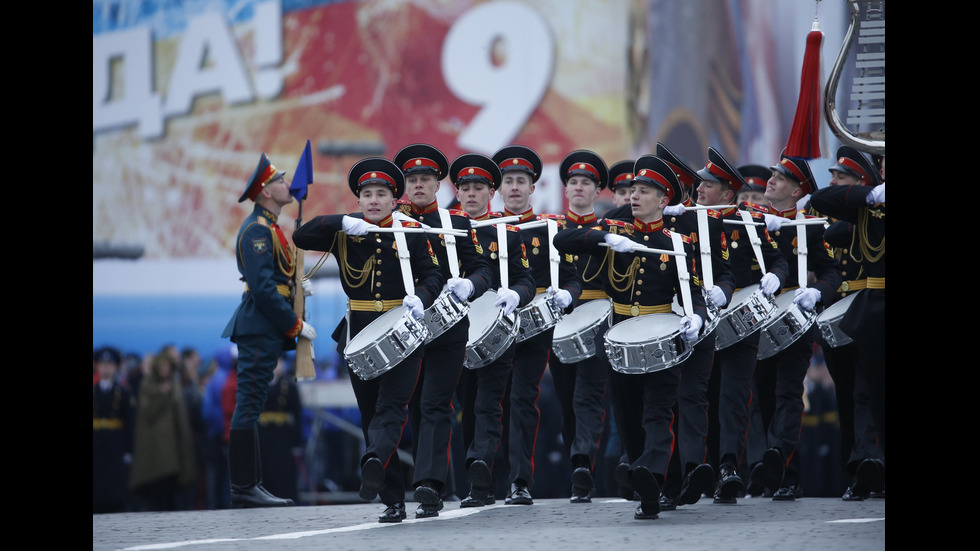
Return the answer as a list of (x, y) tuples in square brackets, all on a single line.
[(804, 137)]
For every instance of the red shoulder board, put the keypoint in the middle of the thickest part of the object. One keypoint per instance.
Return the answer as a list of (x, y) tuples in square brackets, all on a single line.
[(496, 214), (684, 238), (512, 228), (714, 213), (551, 217), (462, 213), (404, 202), (412, 224), (756, 207)]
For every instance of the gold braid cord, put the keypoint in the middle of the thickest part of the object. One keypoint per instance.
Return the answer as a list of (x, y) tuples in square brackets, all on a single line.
[(871, 252), (354, 277), (284, 257), (629, 277), (598, 270)]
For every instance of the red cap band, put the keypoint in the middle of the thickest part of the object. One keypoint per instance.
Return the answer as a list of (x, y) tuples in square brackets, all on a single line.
[(419, 162)]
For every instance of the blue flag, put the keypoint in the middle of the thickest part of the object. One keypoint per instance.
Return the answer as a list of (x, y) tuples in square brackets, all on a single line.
[(303, 175)]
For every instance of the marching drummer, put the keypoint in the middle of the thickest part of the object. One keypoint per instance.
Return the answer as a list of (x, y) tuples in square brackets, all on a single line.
[(481, 391), (862, 457), (620, 179), (424, 167), (581, 385), (734, 365), (779, 378), (520, 168), (371, 273), (641, 283)]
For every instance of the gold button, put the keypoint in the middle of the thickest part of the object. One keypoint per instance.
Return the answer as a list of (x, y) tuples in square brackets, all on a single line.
[(639, 282), (378, 284), (643, 259), (379, 260), (378, 251), (639, 293), (646, 237), (642, 270), (575, 257), (378, 272), (377, 295), (634, 310), (379, 241)]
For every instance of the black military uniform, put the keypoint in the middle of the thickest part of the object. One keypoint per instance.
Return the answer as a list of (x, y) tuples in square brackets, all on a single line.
[(779, 378), (734, 365), (864, 320), (432, 404), (113, 415), (481, 391), (281, 429), (581, 385), (642, 283), (263, 326), (371, 276), (859, 439), (532, 354)]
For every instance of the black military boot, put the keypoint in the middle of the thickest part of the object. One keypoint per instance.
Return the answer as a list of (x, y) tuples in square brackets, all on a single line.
[(258, 470), (245, 490)]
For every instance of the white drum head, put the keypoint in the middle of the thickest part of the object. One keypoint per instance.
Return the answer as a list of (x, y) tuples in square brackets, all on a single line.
[(584, 316), (376, 329), (482, 314)]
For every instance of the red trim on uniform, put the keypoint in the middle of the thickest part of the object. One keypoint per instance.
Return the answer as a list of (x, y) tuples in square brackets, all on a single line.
[(509, 163), (648, 228), (576, 218), (651, 175), (797, 173), (622, 177), (474, 171), (849, 163), (431, 207), (525, 216), (420, 161), (584, 167), (752, 180), (375, 177), (721, 174), (682, 175)]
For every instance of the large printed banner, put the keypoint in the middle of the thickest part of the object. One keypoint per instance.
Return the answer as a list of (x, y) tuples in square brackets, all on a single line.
[(185, 103)]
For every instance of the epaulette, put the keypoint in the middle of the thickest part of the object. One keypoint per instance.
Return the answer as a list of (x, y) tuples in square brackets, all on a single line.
[(412, 224), (404, 206), (404, 202), (262, 221), (714, 213), (753, 206), (620, 223), (462, 213), (496, 214), (512, 228), (684, 238), (551, 217)]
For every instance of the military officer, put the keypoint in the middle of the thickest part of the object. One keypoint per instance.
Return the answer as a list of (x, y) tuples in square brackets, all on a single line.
[(520, 168), (113, 416), (371, 270), (263, 326), (482, 389), (641, 283), (620, 179)]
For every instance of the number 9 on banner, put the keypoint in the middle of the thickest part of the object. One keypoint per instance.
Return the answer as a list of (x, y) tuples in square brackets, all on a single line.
[(508, 91)]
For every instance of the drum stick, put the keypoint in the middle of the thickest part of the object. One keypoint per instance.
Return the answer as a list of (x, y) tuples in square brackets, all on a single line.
[(492, 221), (535, 224), (455, 232), (651, 250), (708, 207), (742, 222), (807, 222)]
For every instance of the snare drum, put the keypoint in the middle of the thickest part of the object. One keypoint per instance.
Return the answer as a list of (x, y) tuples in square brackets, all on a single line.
[(384, 343), (490, 332), (647, 343), (748, 311), (829, 322), (445, 312), (576, 334), (788, 323), (714, 316), (537, 317)]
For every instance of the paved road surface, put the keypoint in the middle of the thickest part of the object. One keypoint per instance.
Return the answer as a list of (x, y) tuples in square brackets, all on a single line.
[(607, 524)]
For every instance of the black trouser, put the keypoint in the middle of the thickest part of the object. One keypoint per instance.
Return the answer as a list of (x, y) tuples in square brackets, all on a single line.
[(481, 393), (735, 365), (779, 380), (382, 402), (432, 404), (530, 361), (581, 387)]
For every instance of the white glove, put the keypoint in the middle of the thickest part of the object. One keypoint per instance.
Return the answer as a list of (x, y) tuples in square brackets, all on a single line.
[(877, 194), (307, 288), (807, 298), (691, 327), (402, 217), (562, 297), (774, 222), (356, 226), (461, 287), (619, 243), (414, 305), (769, 284), (674, 210), (307, 331), (717, 297), (507, 300)]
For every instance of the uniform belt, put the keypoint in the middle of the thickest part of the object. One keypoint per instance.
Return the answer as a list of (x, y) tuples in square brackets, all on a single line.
[(275, 417), (374, 305), (853, 285), (282, 288), (106, 423), (637, 310), (876, 283), (590, 294)]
